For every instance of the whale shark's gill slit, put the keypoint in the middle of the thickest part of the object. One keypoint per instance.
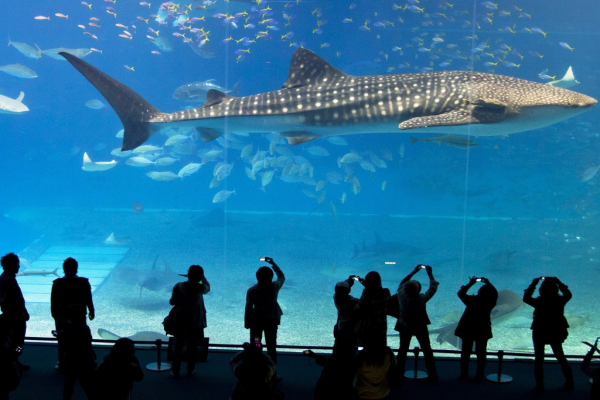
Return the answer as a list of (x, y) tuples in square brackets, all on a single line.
[(135, 112)]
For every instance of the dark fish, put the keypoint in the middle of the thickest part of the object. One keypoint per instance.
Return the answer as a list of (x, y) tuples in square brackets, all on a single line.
[(153, 280), (449, 140)]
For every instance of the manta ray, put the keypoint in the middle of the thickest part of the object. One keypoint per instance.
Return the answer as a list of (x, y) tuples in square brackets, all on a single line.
[(319, 100)]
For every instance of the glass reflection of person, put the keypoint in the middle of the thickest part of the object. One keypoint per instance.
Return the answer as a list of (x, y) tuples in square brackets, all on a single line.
[(188, 297), (413, 319), (549, 325), (475, 325), (263, 313)]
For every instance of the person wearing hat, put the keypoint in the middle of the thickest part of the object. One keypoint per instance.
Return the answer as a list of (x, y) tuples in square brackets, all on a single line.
[(263, 313), (413, 319), (188, 297)]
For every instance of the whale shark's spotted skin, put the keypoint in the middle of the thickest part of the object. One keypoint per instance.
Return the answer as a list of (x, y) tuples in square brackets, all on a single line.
[(319, 100)]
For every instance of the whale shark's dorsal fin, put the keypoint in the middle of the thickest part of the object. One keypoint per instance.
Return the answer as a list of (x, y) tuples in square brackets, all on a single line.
[(214, 96), (21, 96), (307, 68)]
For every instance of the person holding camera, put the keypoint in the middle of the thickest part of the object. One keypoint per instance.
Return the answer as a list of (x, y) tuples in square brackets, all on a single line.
[(475, 325), (115, 376), (262, 312), (371, 309), (345, 344), (188, 299), (413, 319), (254, 371), (549, 325)]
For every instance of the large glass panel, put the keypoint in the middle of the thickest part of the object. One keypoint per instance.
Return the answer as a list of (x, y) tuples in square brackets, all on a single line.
[(356, 193)]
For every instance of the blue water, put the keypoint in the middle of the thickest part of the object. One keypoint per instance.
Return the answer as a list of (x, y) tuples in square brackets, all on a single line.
[(515, 201)]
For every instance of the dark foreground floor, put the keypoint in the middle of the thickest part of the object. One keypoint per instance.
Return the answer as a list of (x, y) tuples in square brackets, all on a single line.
[(213, 380)]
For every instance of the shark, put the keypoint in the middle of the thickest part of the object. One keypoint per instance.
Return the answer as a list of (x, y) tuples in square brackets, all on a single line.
[(382, 248), (12, 106), (319, 100)]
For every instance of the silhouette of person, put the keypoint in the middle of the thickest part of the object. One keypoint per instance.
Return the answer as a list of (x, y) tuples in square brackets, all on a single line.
[(336, 381), (263, 313), (413, 319), (9, 372), (115, 376), (12, 302), (549, 325), (191, 313), (592, 372), (475, 325), (374, 362), (255, 372), (66, 291), (344, 346), (79, 360), (371, 309)]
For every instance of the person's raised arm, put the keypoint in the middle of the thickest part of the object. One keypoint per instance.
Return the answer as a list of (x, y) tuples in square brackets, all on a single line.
[(433, 284), (409, 276), (278, 271), (567, 295), (462, 292), (205, 285), (528, 295)]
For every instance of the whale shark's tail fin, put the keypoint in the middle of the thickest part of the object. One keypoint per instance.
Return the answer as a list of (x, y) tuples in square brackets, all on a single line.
[(135, 112)]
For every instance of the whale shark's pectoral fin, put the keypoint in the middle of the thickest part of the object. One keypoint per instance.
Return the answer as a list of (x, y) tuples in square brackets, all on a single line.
[(297, 137), (478, 112), (208, 134)]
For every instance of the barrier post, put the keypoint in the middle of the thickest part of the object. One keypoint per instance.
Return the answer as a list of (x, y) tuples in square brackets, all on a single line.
[(158, 366), (499, 377), (416, 374)]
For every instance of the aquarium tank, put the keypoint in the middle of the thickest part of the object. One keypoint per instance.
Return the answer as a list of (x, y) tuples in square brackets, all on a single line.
[(337, 137)]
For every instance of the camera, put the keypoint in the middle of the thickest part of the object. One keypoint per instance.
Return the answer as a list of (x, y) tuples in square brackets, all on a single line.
[(543, 278), (263, 259), (478, 280), (423, 266), (356, 278)]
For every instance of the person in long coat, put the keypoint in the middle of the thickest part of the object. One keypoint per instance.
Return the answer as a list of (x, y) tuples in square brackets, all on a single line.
[(188, 297), (475, 325)]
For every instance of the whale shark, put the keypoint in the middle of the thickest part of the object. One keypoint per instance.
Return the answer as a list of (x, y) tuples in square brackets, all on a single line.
[(319, 100)]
